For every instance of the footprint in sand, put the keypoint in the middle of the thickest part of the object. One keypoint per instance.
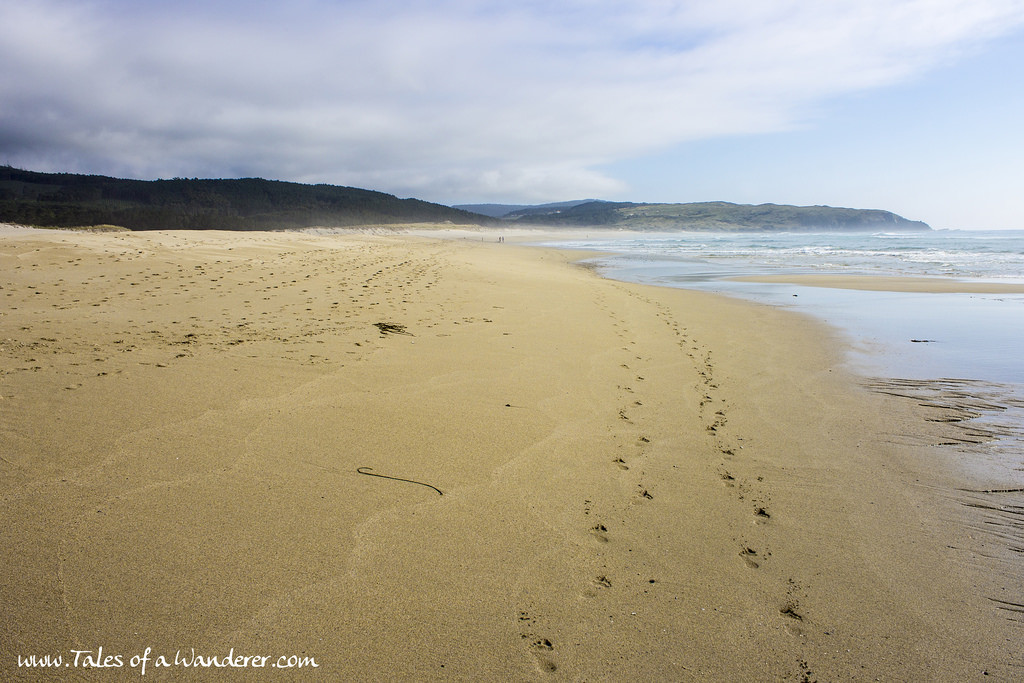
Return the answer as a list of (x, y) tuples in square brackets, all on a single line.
[(542, 649), (791, 610), (793, 618), (600, 533)]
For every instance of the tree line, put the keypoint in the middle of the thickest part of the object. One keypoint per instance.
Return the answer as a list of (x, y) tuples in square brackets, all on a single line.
[(70, 200)]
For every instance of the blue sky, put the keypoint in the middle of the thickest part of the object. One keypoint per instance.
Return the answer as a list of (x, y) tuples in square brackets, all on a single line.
[(947, 147), (908, 105)]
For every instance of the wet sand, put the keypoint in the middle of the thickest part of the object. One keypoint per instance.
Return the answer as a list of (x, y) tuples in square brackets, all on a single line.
[(877, 283), (592, 480)]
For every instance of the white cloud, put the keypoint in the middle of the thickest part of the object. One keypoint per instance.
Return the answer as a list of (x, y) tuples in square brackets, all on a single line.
[(442, 99)]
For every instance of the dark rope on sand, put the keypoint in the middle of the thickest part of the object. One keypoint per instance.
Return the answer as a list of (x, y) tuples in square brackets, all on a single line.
[(360, 470)]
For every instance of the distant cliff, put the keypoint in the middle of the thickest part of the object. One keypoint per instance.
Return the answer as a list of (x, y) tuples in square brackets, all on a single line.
[(715, 216), (68, 200)]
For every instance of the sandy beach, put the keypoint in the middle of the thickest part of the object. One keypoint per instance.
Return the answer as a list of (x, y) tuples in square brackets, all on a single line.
[(586, 479)]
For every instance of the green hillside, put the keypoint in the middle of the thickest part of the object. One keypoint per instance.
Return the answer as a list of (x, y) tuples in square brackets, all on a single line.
[(717, 216), (68, 200), (71, 200)]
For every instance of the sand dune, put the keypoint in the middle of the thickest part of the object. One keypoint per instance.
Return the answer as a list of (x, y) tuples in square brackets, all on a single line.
[(591, 480)]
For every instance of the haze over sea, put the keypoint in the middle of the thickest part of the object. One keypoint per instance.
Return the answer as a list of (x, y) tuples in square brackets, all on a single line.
[(913, 335)]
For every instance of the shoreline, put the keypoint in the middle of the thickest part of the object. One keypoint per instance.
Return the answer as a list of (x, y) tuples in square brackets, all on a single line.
[(637, 481), (884, 283), (905, 326)]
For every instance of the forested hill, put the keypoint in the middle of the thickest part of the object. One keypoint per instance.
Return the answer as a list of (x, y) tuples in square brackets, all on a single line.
[(69, 200), (715, 216)]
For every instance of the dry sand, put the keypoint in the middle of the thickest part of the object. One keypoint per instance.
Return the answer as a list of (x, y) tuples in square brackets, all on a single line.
[(638, 483)]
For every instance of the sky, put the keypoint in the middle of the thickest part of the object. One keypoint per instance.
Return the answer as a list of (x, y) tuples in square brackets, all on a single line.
[(915, 106)]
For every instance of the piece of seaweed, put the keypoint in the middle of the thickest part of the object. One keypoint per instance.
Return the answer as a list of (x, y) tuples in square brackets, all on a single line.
[(392, 328)]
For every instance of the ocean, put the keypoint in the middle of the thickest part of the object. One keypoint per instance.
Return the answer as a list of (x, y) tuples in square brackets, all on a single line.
[(977, 338)]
